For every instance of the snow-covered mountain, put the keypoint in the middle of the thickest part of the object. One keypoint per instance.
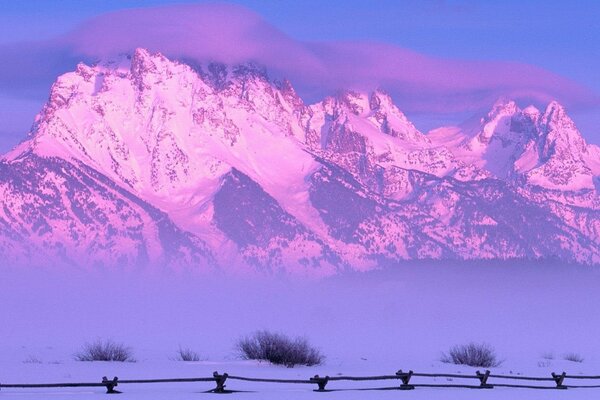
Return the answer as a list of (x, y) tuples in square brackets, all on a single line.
[(543, 149), (147, 160)]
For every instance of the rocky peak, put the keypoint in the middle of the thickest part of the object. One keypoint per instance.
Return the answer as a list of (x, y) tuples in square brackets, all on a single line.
[(559, 135), (289, 94), (501, 108), (544, 148), (142, 63), (532, 112), (85, 71), (250, 71), (333, 107), (507, 123), (555, 108), (390, 120), (149, 69), (378, 108), (216, 76), (356, 103), (497, 121), (380, 101), (221, 77), (249, 83), (556, 117)]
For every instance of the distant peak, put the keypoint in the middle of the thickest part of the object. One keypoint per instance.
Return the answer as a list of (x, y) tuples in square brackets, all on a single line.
[(555, 108), (360, 103), (84, 71), (556, 115), (503, 106), (141, 57), (141, 53), (531, 111), (556, 118), (350, 95), (288, 92), (143, 61), (356, 102), (380, 100)]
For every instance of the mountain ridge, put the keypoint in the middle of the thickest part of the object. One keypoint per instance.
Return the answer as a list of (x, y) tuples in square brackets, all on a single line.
[(348, 182)]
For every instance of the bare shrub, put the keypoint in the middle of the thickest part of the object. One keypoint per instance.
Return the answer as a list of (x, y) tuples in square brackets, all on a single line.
[(573, 357), (187, 354), (32, 360), (105, 350), (548, 355), (279, 349), (472, 354)]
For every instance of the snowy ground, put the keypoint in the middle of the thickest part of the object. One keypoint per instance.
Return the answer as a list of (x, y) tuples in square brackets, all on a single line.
[(366, 324)]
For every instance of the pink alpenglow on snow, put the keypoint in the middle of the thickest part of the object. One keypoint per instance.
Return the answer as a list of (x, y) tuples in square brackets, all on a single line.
[(144, 160), (346, 188)]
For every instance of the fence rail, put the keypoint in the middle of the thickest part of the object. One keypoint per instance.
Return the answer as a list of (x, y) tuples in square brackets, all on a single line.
[(405, 379)]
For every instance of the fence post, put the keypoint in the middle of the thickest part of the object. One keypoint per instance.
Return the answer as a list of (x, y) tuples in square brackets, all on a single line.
[(483, 379), (220, 381), (405, 378), (110, 385), (321, 382), (559, 379)]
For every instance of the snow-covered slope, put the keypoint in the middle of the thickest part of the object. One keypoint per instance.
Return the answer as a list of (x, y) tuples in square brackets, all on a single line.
[(252, 177), (542, 148), (54, 211)]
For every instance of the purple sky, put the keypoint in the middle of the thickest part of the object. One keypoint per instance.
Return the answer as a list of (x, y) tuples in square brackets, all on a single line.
[(441, 61)]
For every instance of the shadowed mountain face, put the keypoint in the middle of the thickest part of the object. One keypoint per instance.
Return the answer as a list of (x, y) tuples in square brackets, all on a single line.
[(146, 161), (342, 207), (248, 215), (265, 232), (62, 213)]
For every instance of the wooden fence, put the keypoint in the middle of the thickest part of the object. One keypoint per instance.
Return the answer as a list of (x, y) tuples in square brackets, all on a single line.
[(405, 379)]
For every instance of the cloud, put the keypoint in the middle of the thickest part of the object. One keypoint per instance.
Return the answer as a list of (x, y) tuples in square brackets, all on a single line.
[(233, 34)]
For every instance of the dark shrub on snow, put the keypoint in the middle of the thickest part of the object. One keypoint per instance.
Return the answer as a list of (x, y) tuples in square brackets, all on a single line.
[(573, 357), (472, 354), (105, 350), (186, 354), (279, 349)]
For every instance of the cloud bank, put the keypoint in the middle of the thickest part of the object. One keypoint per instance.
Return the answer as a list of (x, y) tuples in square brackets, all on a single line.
[(233, 34)]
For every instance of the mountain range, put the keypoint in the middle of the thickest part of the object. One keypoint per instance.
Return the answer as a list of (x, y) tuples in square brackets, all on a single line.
[(147, 161)]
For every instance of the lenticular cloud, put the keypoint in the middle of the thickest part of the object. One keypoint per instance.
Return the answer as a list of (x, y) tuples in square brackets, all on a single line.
[(233, 34)]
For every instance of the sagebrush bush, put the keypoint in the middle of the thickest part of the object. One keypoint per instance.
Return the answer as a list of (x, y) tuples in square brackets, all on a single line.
[(105, 350), (279, 349), (548, 355), (544, 364), (187, 354), (573, 357), (472, 354), (32, 360)]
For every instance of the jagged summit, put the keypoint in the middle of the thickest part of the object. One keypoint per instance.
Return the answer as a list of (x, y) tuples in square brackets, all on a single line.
[(150, 160), (545, 149), (556, 109), (502, 107), (532, 111)]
